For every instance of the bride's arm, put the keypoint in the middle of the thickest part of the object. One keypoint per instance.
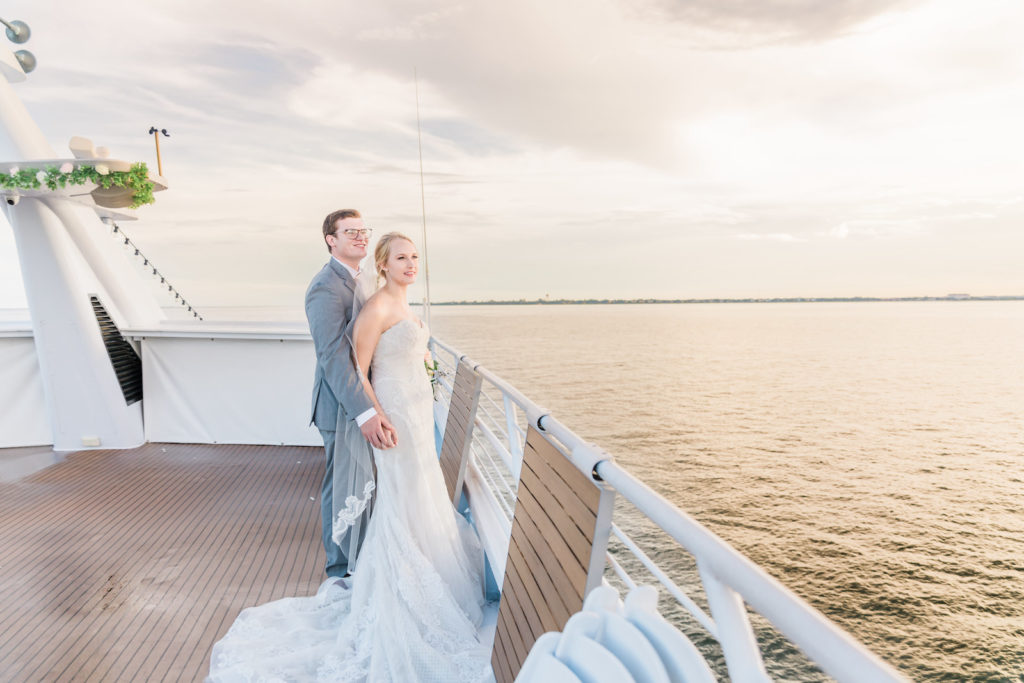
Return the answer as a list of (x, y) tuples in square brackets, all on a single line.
[(366, 332), (368, 328)]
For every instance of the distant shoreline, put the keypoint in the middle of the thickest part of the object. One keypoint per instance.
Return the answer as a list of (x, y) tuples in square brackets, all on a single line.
[(785, 300)]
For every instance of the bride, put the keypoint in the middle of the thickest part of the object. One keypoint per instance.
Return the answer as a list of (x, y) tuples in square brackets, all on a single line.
[(415, 600)]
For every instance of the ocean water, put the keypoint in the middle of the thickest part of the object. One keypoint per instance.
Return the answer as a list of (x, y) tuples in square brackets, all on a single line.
[(868, 455)]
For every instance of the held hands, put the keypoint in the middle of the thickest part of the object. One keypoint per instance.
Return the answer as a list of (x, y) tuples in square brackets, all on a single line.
[(380, 432)]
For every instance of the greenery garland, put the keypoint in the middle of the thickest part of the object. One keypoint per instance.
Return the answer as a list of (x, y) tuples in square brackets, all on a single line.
[(135, 179)]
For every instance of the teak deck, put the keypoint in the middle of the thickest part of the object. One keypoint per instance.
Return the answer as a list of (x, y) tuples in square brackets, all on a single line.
[(129, 565)]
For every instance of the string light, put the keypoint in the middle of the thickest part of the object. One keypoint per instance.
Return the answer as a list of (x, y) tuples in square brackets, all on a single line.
[(156, 273)]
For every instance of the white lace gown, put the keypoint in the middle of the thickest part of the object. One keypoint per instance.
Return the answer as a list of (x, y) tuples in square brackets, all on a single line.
[(416, 598)]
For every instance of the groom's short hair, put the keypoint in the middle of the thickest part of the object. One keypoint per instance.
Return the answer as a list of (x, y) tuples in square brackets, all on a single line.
[(335, 216)]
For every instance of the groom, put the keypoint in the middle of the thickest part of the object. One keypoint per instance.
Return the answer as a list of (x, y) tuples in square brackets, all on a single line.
[(338, 394)]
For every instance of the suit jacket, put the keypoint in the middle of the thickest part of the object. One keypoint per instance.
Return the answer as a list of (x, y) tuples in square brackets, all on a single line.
[(330, 310)]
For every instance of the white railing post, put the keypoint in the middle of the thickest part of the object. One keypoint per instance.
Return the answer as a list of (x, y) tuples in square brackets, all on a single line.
[(515, 442), (599, 549), (735, 635), (513, 464)]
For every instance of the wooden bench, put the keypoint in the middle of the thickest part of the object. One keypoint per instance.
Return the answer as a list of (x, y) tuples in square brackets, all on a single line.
[(556, 554), (458, 430)]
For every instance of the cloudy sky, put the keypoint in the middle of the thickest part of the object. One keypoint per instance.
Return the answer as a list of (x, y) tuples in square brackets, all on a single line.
[(571, 148)]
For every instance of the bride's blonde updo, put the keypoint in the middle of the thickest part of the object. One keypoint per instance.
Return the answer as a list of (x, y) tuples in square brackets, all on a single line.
[(382, 251)]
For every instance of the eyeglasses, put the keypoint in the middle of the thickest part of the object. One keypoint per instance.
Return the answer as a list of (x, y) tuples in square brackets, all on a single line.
[(353, 233)]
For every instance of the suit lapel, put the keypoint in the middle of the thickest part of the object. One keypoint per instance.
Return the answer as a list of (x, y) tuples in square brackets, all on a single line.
[(342, 272)]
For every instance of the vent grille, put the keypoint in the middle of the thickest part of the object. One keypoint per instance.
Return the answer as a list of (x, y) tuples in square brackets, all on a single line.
[(126, 362)]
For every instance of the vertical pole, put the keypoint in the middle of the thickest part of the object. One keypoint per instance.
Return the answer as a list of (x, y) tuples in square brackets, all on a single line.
[(515, 442), (423, 205), (602, 529), (20, 137), (159, 166)]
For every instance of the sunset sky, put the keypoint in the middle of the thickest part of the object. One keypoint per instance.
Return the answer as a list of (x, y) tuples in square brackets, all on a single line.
[(579, 148)]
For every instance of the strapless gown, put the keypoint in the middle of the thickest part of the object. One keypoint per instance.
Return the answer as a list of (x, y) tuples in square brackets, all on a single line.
[(416, 598)]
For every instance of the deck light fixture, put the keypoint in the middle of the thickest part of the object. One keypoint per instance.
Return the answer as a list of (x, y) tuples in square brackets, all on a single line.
[(17, 31), (27, 60)]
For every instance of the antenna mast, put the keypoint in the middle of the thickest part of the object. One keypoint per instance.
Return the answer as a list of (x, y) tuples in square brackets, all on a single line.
[(423, 204)]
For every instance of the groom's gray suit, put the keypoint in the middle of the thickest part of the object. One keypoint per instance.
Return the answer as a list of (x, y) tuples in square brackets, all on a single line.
[(338, 394)]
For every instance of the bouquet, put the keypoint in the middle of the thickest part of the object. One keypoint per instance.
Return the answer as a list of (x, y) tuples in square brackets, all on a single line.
[(434, 373)]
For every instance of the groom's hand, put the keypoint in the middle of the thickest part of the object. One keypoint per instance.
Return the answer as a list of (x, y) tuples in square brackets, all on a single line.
[(391, 434), (379, 432)]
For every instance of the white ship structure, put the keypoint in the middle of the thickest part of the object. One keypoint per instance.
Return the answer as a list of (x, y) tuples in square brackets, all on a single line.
[(101, 375)]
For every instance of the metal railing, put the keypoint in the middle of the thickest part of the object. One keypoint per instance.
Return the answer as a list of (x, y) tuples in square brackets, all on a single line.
[(731, 582)]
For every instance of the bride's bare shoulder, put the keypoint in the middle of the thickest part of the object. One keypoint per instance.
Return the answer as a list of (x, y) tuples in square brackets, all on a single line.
[(379, 312), (372, 305)]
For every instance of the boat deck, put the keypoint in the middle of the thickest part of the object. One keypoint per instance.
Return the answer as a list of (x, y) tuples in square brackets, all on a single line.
[(129, 565)]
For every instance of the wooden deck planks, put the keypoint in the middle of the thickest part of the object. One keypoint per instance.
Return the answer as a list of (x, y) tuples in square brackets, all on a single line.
[(128, 565)]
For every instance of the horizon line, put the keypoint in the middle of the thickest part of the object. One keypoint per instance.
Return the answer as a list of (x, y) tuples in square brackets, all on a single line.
[(722, 300)]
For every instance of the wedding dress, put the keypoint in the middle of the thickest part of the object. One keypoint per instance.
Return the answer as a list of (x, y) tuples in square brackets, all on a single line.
[(416, 597)]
